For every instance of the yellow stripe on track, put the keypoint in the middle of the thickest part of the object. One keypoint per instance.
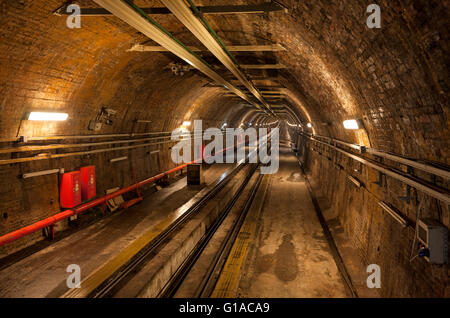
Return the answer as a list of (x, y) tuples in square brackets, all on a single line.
[(229, 277), (90, 283)]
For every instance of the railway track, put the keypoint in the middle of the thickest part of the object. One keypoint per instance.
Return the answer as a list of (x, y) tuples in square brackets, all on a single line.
[(110, 278), (207, 282)]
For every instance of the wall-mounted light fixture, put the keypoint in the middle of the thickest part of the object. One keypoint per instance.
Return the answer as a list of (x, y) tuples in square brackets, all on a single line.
[(45, 116), (309, 125), (352, 124)]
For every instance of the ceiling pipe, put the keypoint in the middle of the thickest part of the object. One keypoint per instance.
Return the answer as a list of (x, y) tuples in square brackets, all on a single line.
[(50, 221), (210, 40), (135, 17), (15, 235)]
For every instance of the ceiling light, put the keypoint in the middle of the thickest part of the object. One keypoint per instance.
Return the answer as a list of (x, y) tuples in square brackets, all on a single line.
[(186, 123), (351, 124), (47, 116), (309, 125)]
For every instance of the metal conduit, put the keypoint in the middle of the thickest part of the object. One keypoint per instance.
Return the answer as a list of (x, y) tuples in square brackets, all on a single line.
[(15, 235), (135, 17), (434, 192), (210, 40), (400, 159), (80, 153)]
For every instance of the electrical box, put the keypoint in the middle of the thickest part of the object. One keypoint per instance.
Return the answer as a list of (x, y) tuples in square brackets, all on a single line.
[(70, 190), (434, 236), (87, 175)]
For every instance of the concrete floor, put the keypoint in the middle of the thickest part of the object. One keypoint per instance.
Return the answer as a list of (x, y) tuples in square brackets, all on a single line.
[(43, 274), (291, 257)]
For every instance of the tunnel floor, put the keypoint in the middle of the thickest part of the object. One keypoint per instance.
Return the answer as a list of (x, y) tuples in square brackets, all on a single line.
[(291, 254), (43, 274), (290, 257)]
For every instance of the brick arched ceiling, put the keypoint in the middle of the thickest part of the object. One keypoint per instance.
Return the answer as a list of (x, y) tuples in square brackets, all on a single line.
[(394, 78)]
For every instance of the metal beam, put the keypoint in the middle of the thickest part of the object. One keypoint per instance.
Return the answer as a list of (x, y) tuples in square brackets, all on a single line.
[(262, 66), (132, 15), (231, 9), (184, 13), (231, 48), (434, 191)]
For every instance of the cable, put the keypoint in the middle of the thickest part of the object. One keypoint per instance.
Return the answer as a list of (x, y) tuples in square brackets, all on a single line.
[(411, 258)]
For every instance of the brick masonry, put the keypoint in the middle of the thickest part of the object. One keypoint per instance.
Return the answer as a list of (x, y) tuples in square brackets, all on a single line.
[(394, 78)]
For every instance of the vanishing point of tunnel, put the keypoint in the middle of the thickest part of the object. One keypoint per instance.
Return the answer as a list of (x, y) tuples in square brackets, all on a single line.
[(224, 149)]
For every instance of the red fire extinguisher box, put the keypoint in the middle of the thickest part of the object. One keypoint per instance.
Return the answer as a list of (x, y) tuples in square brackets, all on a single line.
[(70, 192), (87, 182)]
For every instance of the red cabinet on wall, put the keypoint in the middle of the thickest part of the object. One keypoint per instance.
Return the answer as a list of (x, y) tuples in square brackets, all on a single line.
[(70, 190), (87, 182)]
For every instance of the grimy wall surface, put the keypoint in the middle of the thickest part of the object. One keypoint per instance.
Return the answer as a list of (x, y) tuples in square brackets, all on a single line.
[(394, 78)]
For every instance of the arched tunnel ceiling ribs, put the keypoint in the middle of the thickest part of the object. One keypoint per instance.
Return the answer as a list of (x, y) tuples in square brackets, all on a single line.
[(336, 68)]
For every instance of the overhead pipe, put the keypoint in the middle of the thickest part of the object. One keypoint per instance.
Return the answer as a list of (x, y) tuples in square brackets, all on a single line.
[(135, 17), (62, 137), (211, 40), (435, 192), (15, 235), (50, 221), (48, 156), (397, 158)]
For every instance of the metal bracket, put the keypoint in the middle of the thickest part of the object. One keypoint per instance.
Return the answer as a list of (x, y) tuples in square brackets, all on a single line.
[(362, 149), (380, 179), (406, 198), (62, 9), (49, 232)]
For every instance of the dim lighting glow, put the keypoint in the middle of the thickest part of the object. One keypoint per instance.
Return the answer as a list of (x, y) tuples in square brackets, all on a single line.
[(48, 116), (351, 124)]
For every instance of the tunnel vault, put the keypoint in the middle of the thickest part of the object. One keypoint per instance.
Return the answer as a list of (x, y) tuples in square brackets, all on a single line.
[(307, 64)]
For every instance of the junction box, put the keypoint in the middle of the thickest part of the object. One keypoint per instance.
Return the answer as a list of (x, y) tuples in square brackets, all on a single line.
[(70, 190), (88, 184)]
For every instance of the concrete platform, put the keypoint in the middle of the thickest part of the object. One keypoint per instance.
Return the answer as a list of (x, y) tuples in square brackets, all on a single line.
[(291, 257), (43, 274)]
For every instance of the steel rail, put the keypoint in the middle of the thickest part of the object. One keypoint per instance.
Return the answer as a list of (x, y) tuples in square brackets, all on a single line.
[(117, 272), (393, 157), (178, 277), (272, 6), (206, 194), (81, 145), (62, 137), (135, 17), (206, 286), (17, 234), (231, 48), (48, 156), (435, 192)]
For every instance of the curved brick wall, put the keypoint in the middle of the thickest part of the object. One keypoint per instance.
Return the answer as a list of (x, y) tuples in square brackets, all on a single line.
[(394, 78)]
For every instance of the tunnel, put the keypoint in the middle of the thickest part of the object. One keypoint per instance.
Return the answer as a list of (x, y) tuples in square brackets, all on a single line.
[(224, 149)]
